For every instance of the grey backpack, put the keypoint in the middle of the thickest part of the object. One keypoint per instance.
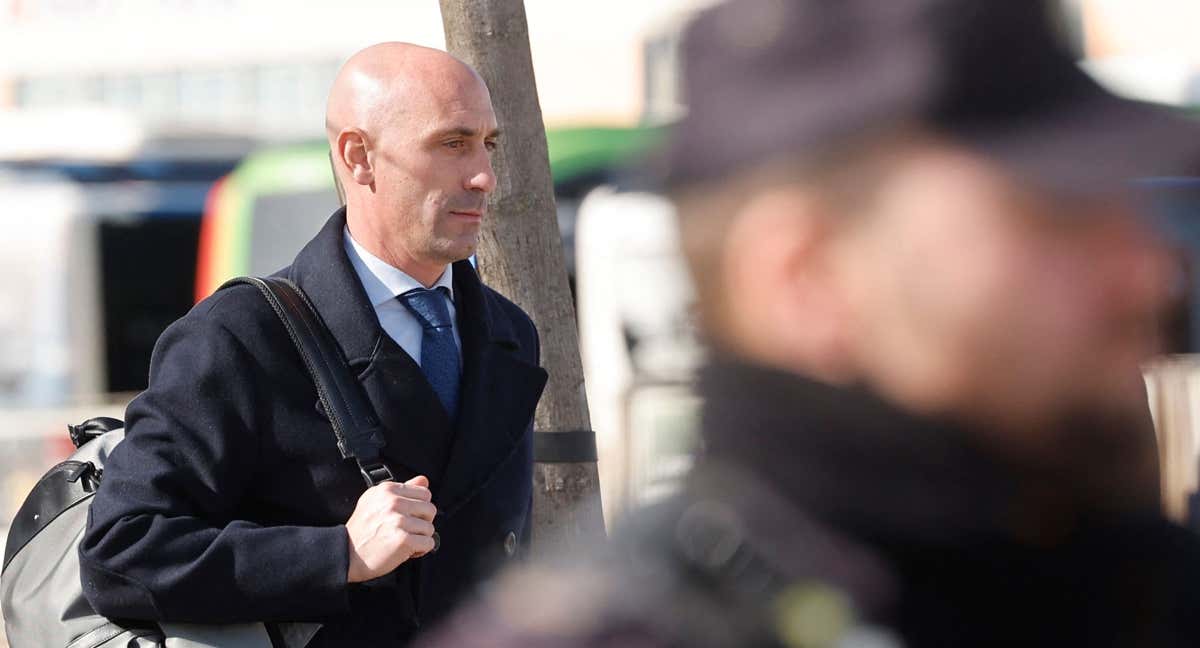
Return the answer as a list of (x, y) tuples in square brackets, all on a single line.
[(40, 590), (43, 600)]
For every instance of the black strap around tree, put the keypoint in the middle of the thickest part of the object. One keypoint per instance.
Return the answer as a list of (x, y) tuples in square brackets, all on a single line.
[(573, 446), (350, 414)]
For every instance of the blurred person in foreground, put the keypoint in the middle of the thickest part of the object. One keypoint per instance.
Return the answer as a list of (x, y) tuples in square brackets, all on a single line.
[(928, 297), (228, 501)]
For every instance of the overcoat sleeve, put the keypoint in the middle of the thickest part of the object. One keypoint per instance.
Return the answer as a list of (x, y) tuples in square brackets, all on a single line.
[(162, 541)]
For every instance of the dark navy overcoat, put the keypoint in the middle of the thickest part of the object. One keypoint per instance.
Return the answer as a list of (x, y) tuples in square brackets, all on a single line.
[(226, 502)]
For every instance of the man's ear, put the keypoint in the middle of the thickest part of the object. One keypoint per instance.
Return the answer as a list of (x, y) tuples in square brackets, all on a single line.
[(354, 153), (337, 181), (780, 259)]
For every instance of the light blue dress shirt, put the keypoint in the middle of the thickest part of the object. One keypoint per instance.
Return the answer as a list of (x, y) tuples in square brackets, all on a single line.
[(383, 283)]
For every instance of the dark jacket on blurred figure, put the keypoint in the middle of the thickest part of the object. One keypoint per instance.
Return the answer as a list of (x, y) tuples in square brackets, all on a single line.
[(821, 515), (226, 501)]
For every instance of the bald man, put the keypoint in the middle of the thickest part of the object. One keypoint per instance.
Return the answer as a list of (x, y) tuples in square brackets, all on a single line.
[(228, 500)]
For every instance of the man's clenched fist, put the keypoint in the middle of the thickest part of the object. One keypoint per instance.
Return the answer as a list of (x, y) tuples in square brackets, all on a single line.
[(391, 523)]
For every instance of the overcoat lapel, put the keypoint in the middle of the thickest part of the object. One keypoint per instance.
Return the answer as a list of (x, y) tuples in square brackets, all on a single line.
[(499, 393), (416, 429)]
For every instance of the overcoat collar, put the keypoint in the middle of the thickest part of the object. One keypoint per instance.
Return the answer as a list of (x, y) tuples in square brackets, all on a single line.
[(324, 272), (499, 389)]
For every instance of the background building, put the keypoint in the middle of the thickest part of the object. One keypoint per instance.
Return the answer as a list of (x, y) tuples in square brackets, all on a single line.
[(263, 67)]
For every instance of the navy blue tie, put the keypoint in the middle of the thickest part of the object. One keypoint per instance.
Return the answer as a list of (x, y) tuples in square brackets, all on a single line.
[(439, 353)]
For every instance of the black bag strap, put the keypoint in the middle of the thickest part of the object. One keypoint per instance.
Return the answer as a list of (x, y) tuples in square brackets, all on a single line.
[(353, 420)]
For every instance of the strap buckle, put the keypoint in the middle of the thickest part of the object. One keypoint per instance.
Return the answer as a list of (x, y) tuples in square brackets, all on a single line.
[(375, 473)]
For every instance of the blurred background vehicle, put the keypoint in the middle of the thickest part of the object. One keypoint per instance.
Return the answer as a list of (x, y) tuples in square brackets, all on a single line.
[(91, 223), (639, 344)]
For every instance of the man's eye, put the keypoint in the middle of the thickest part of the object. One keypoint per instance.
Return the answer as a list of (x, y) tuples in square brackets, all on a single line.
[(454, 144), (491, 146)]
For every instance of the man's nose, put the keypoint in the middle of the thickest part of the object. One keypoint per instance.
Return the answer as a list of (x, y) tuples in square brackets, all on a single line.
[(483, 177)]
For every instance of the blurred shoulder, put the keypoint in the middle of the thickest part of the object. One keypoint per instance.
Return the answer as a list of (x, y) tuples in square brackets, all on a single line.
[(634, 590), (691, 571), (541, 606)]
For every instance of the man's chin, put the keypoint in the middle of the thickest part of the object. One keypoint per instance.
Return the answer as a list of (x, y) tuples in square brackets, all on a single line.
[(460, 254)]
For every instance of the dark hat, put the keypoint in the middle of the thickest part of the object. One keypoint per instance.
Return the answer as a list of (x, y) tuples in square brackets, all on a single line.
[(770, 79)]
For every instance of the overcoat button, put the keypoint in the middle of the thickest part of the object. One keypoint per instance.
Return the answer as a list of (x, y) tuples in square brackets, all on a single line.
[(510, 543)]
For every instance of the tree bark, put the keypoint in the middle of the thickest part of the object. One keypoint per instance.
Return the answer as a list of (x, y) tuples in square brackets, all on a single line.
[(521, 255)]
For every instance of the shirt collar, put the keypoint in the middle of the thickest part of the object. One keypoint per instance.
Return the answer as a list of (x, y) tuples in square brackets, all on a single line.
[(383, 281)]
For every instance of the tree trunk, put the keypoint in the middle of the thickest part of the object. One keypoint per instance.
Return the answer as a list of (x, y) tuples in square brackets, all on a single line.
[(521, 255)]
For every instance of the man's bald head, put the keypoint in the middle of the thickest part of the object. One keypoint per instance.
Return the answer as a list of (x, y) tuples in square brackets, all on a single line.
[(411, 130), (384, 81)]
